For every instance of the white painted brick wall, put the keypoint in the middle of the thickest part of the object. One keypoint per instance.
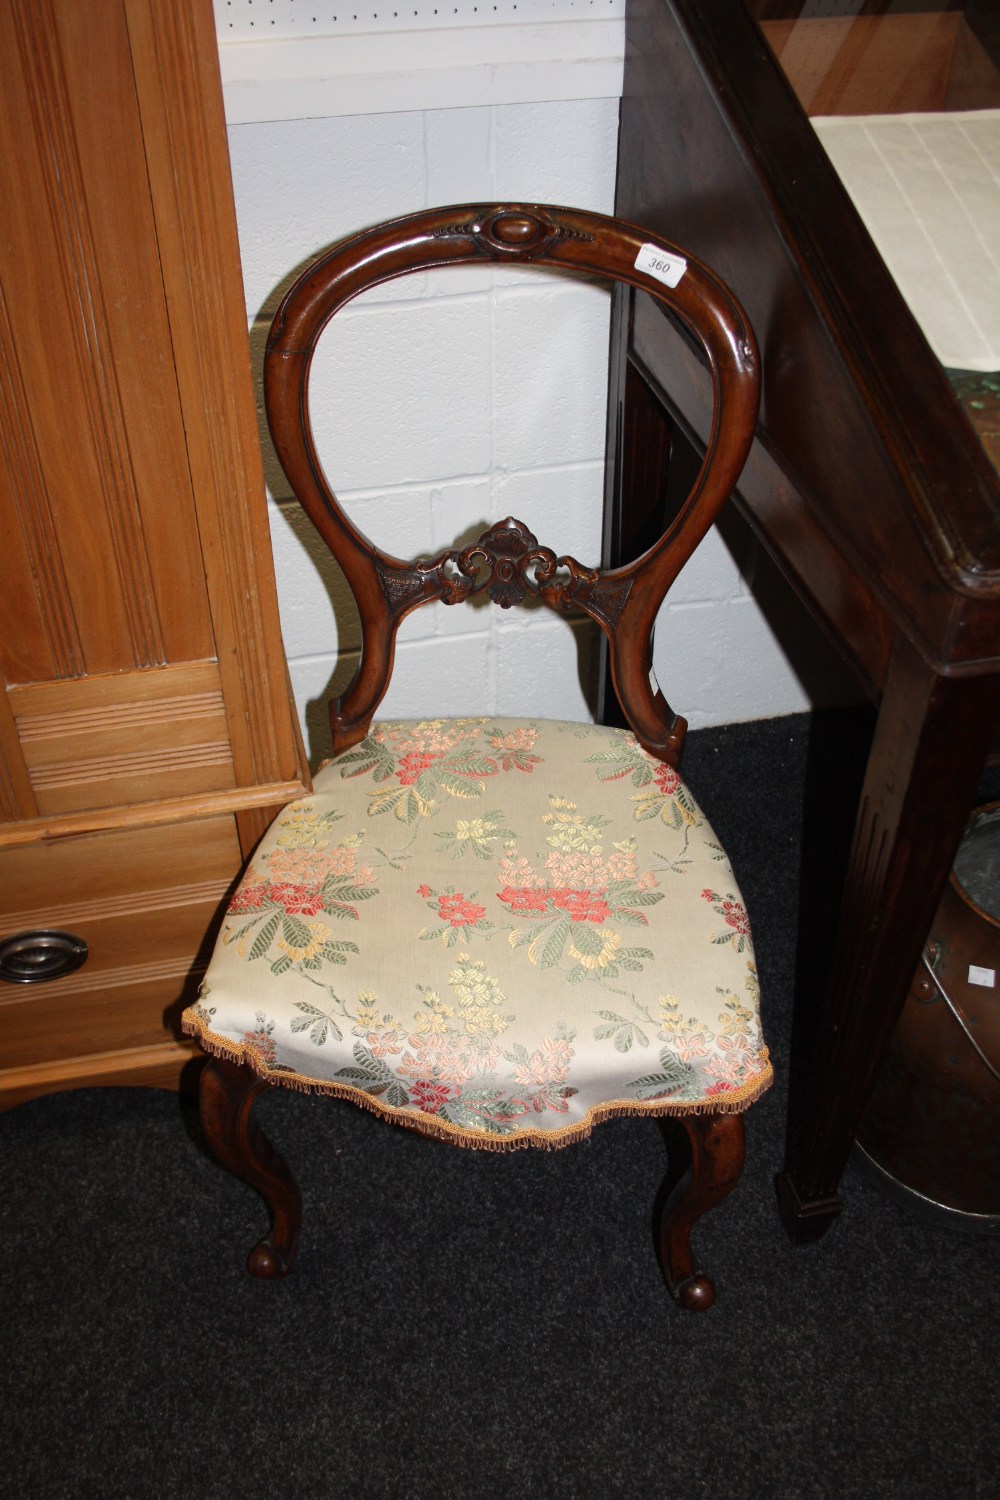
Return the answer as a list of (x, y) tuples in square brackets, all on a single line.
[(447, 400)]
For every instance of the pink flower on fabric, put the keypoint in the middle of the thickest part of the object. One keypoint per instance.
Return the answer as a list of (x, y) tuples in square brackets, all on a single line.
[(384, 1043), (263, 1042), (690, 1049), (339, 861), (249, 897), (667, 780), (459, 912), (298, 866), (519, 898), (582, 906), (733, 911), (410, 766), (517, 874), (298, 900), (736, 916), (518, 739), (547, 1064), (430, 1098), (622, 866), (424, 890), (577, 871)]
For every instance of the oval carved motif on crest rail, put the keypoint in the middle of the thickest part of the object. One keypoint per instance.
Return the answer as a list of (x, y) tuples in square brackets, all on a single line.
[(522, 233)]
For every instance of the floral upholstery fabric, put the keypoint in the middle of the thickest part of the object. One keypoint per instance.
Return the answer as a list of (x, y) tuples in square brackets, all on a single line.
[(497, 931)]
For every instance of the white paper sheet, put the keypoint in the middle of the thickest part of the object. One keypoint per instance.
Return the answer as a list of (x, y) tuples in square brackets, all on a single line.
[(928, 189)]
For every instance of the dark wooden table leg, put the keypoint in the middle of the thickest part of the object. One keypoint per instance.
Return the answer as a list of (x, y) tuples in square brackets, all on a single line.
[(930, 744)]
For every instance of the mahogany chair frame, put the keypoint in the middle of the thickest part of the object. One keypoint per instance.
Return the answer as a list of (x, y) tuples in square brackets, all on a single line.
[(509, 564)]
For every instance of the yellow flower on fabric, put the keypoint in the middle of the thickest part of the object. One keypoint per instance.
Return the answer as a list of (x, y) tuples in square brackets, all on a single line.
[(432, 1025), (368, 1015), (605, 946), (473, 985), (432, 1019), (477, 833), (737, 1022), (573, 833), (572, 829), (319, 932), (481, 1021), (302, 828), (671, 1020), (673, 1024)]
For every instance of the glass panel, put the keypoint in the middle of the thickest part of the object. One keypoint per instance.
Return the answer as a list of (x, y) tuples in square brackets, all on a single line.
[(864, 57), (920, 156)]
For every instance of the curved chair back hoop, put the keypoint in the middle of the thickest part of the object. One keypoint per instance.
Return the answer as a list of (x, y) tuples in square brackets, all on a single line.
[(507, 561)]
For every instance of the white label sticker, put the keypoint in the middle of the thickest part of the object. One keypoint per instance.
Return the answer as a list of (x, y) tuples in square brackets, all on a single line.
[(659, 263), (986, 977)]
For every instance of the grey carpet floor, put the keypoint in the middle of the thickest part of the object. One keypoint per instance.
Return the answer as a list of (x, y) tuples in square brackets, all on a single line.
[(464, 1324)]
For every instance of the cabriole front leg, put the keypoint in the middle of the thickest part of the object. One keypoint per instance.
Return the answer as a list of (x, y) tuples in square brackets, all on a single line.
[(717, 1146), (227, 1095)]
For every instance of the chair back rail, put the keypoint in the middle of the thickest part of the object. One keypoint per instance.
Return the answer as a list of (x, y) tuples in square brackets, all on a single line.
[(508, 562)]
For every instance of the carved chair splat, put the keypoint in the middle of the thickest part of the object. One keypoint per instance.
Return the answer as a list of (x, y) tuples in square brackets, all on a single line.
[(560, 1062)]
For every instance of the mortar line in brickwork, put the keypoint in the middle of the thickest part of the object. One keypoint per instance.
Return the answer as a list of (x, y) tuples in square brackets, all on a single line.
[(359, 309), (436, 482)]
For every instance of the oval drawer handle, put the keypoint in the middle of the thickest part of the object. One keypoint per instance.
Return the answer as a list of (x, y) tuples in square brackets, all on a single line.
[(34, 957)]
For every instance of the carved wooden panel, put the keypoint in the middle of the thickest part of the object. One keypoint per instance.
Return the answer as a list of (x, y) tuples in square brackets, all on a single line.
[(133, 737)]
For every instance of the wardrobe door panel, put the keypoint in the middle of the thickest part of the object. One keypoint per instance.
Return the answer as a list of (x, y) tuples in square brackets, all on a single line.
[(98, 489)]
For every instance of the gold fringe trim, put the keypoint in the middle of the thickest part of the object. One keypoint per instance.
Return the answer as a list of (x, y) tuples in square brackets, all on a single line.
[(443, 1130)]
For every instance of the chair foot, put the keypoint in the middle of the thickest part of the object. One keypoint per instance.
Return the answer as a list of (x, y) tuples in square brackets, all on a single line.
[(266, 1264), (226, 1099), (713, 1163), (696, 1293)]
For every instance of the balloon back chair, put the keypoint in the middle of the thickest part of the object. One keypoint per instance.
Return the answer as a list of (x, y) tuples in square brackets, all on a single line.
[(498, 932)]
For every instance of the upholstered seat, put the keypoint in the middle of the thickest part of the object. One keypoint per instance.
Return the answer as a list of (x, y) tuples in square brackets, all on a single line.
[(498, 931)]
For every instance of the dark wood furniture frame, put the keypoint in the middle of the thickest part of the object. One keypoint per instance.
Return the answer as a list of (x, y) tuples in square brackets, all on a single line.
[(508, 564), (865, 482)]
